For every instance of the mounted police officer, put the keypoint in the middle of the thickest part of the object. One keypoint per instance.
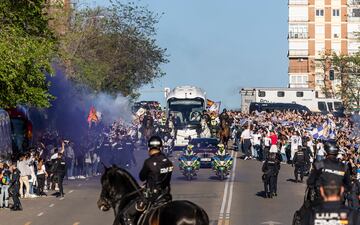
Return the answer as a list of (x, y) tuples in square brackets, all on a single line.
[(156, 173), (224, 116), (301, 160)]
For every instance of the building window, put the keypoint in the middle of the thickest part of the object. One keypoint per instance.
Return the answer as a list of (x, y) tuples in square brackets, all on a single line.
[(319, 12), (281, 94), (336, 12), (299, 94), (261, 94)]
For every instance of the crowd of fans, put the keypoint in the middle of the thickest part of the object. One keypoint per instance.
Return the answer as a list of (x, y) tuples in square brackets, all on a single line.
[(256, 134)]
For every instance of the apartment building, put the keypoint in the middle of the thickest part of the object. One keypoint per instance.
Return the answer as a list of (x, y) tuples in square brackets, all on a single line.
[(316, 27)]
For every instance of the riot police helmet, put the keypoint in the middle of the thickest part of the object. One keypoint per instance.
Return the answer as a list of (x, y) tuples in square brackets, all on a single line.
[(331, 148), (155, 142)]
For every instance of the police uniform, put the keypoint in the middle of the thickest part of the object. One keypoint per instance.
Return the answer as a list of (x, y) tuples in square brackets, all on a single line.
[(300, 160), (157, 171), (330, 213), (14, 189), (330, 169), (270, 169), (59, 170)]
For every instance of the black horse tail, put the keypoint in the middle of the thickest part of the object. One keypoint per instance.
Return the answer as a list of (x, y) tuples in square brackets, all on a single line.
[(202, 217)]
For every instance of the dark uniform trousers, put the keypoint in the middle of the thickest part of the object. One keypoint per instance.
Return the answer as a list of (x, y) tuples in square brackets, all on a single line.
[(270, 169)]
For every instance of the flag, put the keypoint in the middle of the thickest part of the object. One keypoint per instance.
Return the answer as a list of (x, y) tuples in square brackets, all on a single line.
[(92, 117), (213, 106), (325, 131)]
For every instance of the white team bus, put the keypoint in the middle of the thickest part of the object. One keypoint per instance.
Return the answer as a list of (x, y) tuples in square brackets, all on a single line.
[(302, 96), (185, 104)]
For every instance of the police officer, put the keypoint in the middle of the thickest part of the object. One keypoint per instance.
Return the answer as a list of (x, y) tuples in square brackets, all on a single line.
[(15, 187), (331, 210), (59, 171), (156, 172), (224, 116), (270, 168), (300, 161), (330, 168)]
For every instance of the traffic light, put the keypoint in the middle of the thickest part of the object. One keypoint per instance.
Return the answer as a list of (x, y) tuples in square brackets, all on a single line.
[(332, 74)]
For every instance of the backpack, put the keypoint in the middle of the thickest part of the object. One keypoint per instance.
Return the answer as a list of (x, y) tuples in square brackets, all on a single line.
[(6, 178)]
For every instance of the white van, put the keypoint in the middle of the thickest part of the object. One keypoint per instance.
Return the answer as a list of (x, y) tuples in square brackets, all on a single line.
[(302, 96)]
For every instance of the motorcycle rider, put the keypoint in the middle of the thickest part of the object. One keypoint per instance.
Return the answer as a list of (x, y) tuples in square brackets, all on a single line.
[(221, 151), (270, 168), (300, 161), (156, 173), (189, 150), (331, 210)]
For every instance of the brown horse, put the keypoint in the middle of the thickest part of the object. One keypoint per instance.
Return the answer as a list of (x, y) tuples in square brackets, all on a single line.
[(224, 133)]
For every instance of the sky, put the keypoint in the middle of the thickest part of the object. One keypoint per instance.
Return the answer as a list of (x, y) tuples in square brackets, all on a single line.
[(220, 46)]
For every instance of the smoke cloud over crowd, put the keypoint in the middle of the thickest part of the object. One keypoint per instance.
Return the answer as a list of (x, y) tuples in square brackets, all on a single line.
[(69, 111)]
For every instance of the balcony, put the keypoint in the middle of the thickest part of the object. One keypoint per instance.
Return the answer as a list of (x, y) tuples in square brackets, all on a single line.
[(298, 19), (298, 53), (293, 35), (298, 2), (298, 85)]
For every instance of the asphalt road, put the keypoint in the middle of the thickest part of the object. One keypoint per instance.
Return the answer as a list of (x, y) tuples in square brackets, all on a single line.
[(235, 201)]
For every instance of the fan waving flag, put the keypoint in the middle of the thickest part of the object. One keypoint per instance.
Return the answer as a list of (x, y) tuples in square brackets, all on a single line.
[(213, 106), (325, 131)]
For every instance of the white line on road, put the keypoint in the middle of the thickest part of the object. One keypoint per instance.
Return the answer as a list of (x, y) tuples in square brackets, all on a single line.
[(71, 191), (62, 198), (40, 214), (231, 187), (228, 194), (223, 204), (51, 205)]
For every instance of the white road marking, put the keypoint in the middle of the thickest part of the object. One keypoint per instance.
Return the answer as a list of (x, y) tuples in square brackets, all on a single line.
[(71, 191), (271, 223), (51, 205), (223, 204), (62, 198), (79, 185), (231, 187), (224, 216), (40, 214)]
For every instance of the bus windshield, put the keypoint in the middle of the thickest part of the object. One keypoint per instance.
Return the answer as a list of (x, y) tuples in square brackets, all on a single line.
[(186, 111)]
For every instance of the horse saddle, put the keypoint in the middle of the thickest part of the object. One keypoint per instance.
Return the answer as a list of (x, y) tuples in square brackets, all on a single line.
[(150, 209)]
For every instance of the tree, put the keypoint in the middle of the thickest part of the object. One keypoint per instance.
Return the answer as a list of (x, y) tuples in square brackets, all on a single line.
[(347, 70), (112, 49), (26, 51), (325, 62)]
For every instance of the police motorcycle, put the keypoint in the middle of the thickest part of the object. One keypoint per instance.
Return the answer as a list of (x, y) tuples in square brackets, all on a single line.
[(189, 163), (222, 163)]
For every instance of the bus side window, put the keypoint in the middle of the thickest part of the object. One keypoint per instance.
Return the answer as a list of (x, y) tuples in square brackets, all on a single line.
[(330, 106), (261, 94), (322, 106)]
